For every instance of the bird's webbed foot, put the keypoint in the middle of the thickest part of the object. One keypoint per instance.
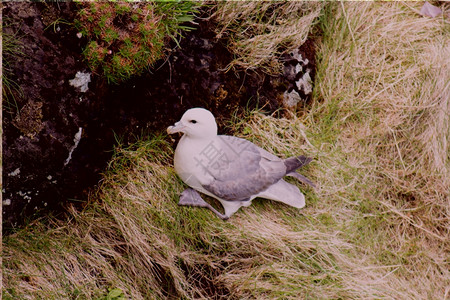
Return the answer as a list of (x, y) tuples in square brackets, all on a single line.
[(190, 197)]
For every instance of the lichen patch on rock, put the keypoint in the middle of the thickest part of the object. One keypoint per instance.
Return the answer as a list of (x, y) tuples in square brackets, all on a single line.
[(29, 119)]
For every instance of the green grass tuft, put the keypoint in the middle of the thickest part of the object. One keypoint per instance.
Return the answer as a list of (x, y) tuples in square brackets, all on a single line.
[(11, 48)]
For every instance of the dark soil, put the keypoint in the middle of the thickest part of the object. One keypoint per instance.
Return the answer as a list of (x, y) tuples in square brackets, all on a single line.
[(39, 134)]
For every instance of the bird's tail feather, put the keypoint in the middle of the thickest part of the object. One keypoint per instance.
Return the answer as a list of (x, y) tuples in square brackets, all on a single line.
[(293, 163)]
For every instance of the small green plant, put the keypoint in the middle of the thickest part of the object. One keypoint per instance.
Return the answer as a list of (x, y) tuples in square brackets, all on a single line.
[(55, 24), (125, 38), (115, 294)]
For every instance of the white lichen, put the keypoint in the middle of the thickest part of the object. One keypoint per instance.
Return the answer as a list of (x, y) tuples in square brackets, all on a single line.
[(24, 195), (81, 81), (76, 140), (291, 99), (297, 56), (305, 83), (15, 172)]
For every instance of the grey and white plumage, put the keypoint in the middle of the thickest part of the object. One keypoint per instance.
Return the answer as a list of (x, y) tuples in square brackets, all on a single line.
[(230, 169)]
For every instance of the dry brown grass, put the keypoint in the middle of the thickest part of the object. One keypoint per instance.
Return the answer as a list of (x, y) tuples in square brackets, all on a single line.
[(259, 32), (392, 95), (389, 99), (376, 227)]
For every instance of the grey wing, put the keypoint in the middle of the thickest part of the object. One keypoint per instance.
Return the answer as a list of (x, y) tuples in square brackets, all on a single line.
[(246, 170)]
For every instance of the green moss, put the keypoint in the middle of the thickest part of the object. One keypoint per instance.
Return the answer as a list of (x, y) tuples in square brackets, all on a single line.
[(122, 9), (144, 28), (110, 35)]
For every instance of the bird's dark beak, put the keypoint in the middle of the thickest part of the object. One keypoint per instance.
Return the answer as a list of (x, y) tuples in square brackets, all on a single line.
[(178, 127)]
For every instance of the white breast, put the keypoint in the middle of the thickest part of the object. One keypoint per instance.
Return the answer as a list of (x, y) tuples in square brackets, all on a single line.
[(189, 163)]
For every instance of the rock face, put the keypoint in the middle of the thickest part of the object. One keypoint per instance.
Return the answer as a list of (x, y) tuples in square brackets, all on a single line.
[(39, 131), (59, 137)]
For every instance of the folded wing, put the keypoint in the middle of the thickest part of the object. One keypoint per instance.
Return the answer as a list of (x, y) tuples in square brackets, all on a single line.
[(243, 170)]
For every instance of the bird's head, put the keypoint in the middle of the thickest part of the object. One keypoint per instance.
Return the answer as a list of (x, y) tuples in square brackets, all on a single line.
[(196, 123)]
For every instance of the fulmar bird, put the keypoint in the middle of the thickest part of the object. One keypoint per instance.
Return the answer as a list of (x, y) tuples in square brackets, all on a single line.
[(230, 169)]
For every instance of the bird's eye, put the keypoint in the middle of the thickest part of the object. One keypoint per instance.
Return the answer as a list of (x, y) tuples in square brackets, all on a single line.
[(193, 121)]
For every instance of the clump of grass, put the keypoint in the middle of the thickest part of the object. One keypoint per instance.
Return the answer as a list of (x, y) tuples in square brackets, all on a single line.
[(125, 38), (10, 50), (382, 103), (394, 106), (259, 32)]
